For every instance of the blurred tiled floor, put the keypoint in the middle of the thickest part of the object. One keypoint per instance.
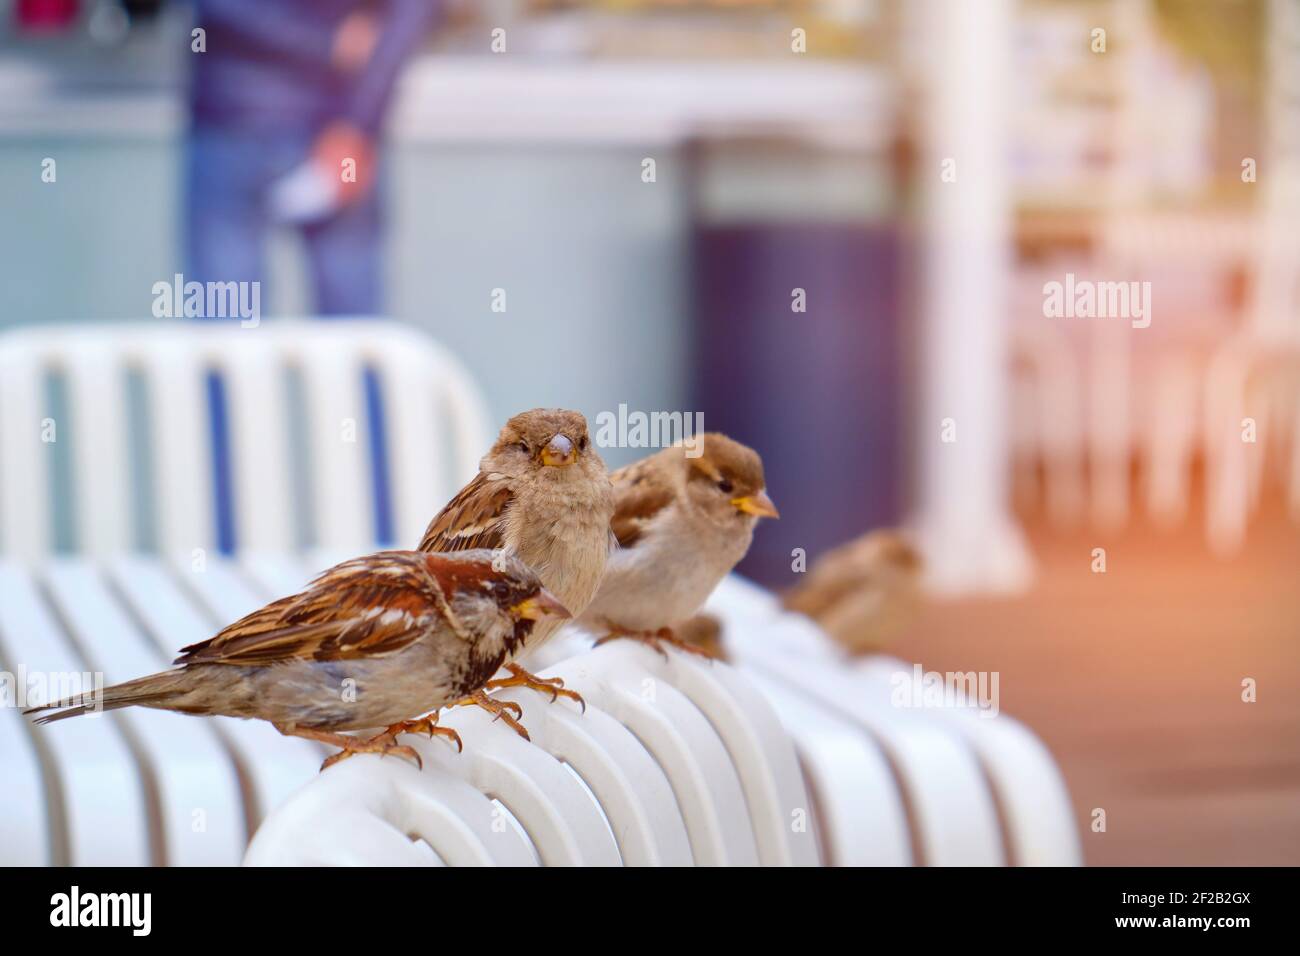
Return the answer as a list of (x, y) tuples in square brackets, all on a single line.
[(1133, 678)]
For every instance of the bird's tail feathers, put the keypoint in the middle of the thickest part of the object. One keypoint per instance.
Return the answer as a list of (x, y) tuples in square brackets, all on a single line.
[(152, 691)]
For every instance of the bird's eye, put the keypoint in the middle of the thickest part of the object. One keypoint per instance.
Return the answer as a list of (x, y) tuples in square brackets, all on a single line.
[(582, 443), (523, 446), (725, 486)]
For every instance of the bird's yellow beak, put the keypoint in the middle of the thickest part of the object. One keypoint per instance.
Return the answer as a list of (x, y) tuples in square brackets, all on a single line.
[(559, 453), (542, 604), (759, 505)]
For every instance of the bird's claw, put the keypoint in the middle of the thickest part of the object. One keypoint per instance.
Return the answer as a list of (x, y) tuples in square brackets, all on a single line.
[(427, 725), (546, 685), (503, 710), (657, 640), (382, 744)]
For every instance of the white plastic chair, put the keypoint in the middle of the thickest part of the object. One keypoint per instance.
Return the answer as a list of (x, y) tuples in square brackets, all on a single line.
[(1049, 410), (173, 789), (427, 398), (974, 791), (94, 807), (793, 756), (673, 762), (133, 786), (1267, 350)]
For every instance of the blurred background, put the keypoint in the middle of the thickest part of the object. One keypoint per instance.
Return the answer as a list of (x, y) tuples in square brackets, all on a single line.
[(840, 254)]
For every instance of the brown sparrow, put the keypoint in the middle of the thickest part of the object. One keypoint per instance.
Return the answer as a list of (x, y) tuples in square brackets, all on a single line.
[(682, 524), (370, 643), (863, 592), (703, 631), (543, 495)]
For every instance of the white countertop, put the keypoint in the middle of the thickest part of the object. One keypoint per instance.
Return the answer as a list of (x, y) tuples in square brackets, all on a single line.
[(515, 97)]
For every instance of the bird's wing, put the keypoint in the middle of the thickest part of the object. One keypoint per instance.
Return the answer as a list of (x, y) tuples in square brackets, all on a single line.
[(824, 587), (475, 518), (881, 558), (640, 493), (367, 607)]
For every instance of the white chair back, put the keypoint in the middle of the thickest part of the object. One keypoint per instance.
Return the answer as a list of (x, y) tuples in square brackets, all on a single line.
[(361, 384)]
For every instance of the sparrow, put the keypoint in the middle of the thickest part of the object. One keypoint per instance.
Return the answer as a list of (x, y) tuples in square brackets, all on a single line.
[(542, 495), (370, 643), (703, 631), (863, 592), (682, 523)]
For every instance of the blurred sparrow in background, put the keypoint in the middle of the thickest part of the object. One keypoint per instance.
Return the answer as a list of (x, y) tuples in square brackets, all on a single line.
[(413, 632), (543, 495), (682, 524), (863, 592), (704, 631)]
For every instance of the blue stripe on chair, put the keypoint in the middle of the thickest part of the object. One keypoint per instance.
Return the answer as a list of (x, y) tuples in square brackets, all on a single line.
[(219, 427), (222, 467), (378, 459)]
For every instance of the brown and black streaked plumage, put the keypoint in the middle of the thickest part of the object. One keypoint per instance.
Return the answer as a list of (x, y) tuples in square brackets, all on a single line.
[(370, 643)]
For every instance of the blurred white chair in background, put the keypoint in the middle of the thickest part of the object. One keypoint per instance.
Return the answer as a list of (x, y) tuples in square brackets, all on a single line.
[(1193, 261), (1257, 374), (1249, 387), (1048, 422), (1096, 396)]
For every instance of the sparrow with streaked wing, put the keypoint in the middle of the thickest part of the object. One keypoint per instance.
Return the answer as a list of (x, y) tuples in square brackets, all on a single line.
[(543, 495), (682, 524), (412, 632)]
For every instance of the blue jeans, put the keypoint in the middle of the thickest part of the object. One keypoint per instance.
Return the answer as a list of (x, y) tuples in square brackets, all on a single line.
[(227, 176)]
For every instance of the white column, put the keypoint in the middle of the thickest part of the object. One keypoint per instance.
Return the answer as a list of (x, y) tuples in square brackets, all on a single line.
[(964, 524)]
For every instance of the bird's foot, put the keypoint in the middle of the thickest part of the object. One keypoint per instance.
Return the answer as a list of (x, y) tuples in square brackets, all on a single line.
[(546, 685), (656, 640), (506, 710), (427, 725), (381, 744)]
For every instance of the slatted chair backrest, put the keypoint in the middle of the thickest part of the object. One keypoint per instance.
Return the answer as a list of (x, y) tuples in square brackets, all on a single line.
[(896, 783), (347, 414), (672, 762)]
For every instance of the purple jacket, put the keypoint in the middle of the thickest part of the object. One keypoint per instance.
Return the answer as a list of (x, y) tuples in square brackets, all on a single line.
[(267, 63)]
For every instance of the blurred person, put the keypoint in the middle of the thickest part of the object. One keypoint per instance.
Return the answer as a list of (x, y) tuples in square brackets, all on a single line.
[(283, 94)]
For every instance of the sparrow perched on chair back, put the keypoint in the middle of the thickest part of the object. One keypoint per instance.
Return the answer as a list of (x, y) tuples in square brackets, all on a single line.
[(682, 524), (704, 631), (368, 644), (863, 592), (542, 494)]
